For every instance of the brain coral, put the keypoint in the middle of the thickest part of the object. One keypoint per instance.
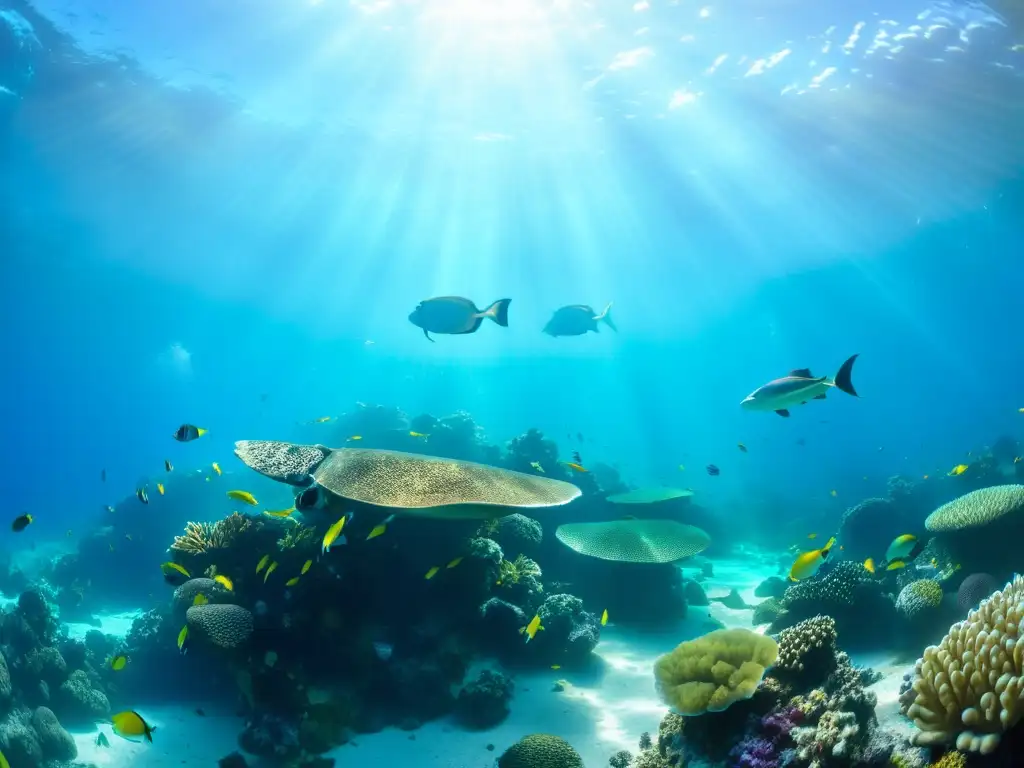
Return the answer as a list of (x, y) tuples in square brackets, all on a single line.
[(540, 750), (186, 593), (976, 509), (714, 671), (974, 589), (969, 687), (227, 626), (919, 598)]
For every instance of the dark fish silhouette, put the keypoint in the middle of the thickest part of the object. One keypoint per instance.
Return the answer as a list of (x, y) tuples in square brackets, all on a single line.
[(713, 470), (456, 315)]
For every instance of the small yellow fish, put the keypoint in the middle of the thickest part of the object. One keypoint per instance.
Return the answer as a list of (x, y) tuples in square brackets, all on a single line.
[(895, 565), (216, 468), (130, 725), (833, 493), (577, 467), (531, 629), (869, 565), (604, 617), (168, 466), (355, 437), (934, 563), (556, 666), (418, 434), (959, 469), (174, 573), (380, 528), (182, 637), (224, 581), (262, 563), (812, 535), (322, 420), (118, 662), (270, 570), (243, 496), (925, 477), (431, 573), (200, 599), (160, 488), (305, 567), (536, 465), (333, 533), (279, 512), (292, 581), (454, 562)]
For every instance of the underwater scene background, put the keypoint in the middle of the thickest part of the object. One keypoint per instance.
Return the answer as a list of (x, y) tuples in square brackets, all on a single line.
[(530, 383)]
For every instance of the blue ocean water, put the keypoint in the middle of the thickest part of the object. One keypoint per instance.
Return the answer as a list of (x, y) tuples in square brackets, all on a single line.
[(222, 214)]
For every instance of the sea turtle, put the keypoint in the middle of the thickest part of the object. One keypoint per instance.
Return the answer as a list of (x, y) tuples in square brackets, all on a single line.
[(404, 483)]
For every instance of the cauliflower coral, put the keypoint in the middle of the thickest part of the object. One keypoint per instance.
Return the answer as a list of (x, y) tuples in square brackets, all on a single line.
[(714, 671), (970, 686)]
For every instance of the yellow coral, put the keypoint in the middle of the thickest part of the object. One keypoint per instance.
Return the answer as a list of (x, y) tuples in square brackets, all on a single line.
[(714, 671), (950, 760), (511, 571), (970, 687), (202, 537)]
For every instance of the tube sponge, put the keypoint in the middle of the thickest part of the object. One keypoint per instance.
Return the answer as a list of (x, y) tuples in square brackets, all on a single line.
[(970, 687), (712, 672)]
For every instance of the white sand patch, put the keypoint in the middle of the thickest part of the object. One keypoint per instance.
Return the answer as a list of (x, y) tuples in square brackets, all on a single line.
[(115, 625), (181, 738), (888, 688)]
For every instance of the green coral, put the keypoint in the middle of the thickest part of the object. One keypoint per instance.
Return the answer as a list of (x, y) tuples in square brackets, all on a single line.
[(714, 671), (541, 750), (512, 572), (298, 537), (919, 598)]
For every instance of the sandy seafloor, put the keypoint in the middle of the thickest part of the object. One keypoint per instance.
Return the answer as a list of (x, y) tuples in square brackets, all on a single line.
[(598, 713)]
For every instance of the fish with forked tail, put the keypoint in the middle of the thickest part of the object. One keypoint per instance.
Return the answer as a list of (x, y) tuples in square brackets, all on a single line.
[(578, 320), (798, 388), (455, 315)]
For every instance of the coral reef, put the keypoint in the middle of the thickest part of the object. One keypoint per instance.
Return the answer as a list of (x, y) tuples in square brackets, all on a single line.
[(540, 750), (570, 633), (975, 588), (919, 598), (483, 703), (200, 538), (980, 529)]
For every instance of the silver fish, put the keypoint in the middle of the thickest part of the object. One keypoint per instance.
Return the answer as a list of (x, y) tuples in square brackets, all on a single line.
[(577, 320), (798, 388), (456, 315)]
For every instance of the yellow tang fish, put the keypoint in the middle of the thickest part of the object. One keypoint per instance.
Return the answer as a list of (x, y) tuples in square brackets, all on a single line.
[(224, 581), (130, 725), (305, 567), (536, 465), (333, 532), (895, 565), (604, 617), (262, 563), (959, 469), (292, 581), (418, 434), (355, 437), (808, 563), (532, 628), (431, 573), (200, 599), (279, 512), (216, 468), (118, 662), (160, 488), (270, 570), (173, 573), (454, 562), (380, 528), (243, 496), (182, 637), (869, 565)]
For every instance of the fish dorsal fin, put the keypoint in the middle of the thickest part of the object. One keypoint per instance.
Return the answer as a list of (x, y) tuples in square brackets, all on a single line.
[(801, 373)]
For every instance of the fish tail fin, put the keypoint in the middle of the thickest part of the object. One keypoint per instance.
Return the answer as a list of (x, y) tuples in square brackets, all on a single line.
[(843, 380), (498, 312), (201, 431), (606, 317)]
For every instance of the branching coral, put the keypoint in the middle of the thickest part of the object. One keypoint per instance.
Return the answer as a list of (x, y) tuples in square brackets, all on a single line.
[(298, 537), (511, 572), (714, 671), (970, 686), (202, 537)]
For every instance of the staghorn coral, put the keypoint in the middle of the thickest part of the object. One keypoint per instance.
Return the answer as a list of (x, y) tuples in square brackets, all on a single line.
[(202, 537), (970, 686), (712, 672), (226, 626), (540, 750), (299, 537), (513, 571), (919, 598)]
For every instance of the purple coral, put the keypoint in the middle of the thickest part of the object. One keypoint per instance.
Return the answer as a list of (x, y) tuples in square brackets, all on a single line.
[(763, 749)]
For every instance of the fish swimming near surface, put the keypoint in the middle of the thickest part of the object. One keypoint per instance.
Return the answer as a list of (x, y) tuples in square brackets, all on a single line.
[(454, 315), (808, 563), (798, 388), (905, 547), (578, 320), (21, 522), (413, 433), (188, 432), (742, 447), (130, 725)]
